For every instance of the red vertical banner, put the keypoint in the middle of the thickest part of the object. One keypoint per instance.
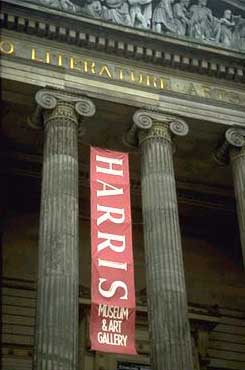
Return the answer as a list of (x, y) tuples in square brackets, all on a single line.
[(112, 321)]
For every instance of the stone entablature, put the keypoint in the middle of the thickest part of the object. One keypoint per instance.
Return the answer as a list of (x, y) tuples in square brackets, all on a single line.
[(133, 43), (195, 19), (113, 72)]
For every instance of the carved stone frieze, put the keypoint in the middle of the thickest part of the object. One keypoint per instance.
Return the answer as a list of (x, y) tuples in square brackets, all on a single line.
[(197, 19)]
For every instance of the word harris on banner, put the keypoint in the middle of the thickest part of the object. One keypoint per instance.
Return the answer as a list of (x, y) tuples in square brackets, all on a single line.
[(112, 324), (109, 71)]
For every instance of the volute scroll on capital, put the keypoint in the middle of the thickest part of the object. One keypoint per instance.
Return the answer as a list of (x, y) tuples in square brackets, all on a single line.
[(47, 100), (149, 124), (235, 137), (232, 145)]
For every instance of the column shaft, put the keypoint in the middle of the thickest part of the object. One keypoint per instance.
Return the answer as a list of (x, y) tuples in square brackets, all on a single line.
[(166, 291), (238, 169), (56, 346)]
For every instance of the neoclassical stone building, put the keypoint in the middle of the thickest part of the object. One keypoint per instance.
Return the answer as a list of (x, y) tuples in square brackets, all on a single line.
[(164, 81)]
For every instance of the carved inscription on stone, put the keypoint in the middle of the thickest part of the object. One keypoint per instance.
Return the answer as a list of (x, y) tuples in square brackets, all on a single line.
[(196, 19), (107, 71)]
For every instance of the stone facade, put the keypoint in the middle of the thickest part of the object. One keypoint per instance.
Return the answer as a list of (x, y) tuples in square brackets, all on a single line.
[(153, 79)]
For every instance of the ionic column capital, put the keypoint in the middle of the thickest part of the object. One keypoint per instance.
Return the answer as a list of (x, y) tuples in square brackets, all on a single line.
[(234, 141), (235, 137), (149, 124), (71, 106)]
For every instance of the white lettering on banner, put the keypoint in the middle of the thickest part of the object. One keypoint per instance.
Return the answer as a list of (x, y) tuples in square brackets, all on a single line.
[(112, 339), (106, 192), (108, 211), (113, 288), (111, 162), (113, 265), (108, 239), (115, 326), (113, 312), (113, 294)]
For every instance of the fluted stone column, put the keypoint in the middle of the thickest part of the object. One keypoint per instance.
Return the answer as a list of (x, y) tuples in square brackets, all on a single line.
[(235, 138), (166, 291), (56, 339)]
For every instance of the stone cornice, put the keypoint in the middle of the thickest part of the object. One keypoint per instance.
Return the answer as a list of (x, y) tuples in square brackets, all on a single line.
[(131, 43)]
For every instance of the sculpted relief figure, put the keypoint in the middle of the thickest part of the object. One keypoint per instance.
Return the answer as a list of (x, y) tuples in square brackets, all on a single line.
[(239, 32), (51, 3), (163, 17), (182, 18), (141, 13), (92, 8), (201, 22), (68, 6), (135, 13), (65, 5), (224, 29), (117, 11)]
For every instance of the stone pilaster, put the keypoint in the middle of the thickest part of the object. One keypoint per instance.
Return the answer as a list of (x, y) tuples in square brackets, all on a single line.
[(236, 140), (56, 337), (166, 291)]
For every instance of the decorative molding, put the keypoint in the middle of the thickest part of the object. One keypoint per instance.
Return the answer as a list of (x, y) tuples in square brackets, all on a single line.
[(161, 49)]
